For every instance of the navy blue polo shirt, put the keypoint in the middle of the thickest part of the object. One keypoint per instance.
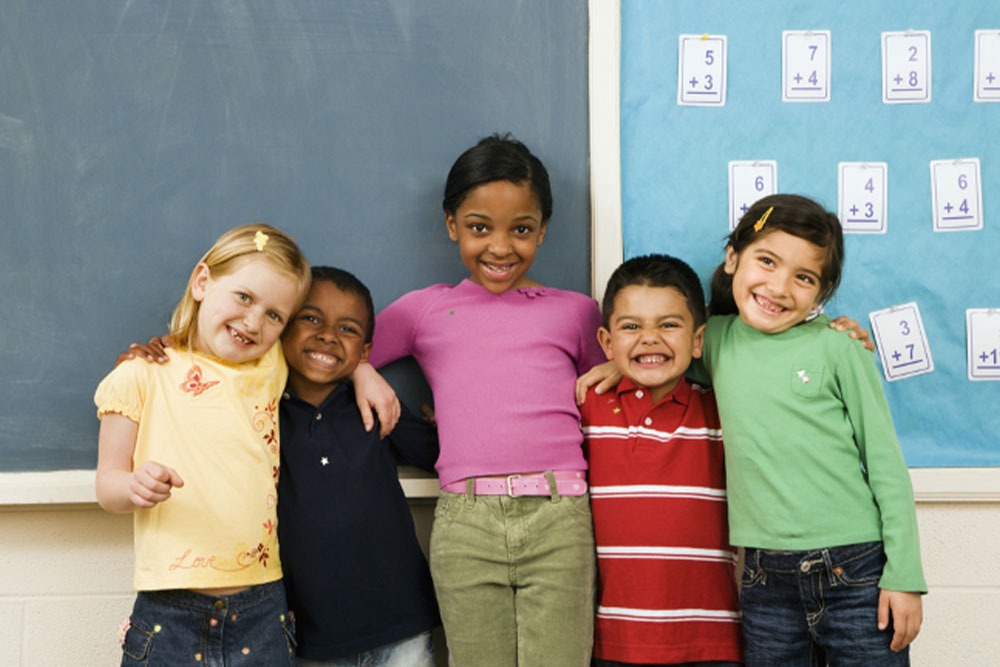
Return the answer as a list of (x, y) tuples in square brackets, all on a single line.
[(354, 573)]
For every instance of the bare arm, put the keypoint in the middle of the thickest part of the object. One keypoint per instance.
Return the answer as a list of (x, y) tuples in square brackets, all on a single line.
[(372, 391), (119, 489)]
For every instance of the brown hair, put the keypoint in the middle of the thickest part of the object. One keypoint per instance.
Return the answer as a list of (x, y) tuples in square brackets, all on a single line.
[(792, 214)]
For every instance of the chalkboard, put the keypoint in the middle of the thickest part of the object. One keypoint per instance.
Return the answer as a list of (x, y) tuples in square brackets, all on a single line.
[(133, 133), (674, 175)]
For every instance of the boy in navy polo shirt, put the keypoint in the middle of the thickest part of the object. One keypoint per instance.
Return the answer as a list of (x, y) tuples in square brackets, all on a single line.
[(357, 581), (667, 593)]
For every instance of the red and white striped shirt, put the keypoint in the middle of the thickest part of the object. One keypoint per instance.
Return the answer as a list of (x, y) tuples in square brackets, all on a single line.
[(658, 492)]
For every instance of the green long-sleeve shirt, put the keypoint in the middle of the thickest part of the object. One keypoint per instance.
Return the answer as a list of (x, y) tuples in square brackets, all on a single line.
[(812, 459)]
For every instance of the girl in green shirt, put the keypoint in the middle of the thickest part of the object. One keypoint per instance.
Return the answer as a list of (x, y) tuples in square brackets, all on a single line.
[(819, 494)]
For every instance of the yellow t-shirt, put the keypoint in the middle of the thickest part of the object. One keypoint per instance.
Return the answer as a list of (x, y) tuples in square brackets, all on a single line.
[(216, 424)]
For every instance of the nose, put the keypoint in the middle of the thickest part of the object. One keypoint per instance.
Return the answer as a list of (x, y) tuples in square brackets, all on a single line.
[(778, 284), (327, 334), (499, 244), (252, 320)]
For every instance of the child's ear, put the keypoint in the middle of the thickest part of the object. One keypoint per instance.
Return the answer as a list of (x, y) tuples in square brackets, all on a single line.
[(732, 260), (604, 338), (365, 351), (199, 281), (449, 220), (698, 343), (541, 233)]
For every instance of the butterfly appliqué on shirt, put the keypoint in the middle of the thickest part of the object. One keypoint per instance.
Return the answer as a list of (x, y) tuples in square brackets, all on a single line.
[(194, 384)]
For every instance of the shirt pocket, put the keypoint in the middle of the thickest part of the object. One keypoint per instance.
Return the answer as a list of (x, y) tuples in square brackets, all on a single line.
[(806, 378)]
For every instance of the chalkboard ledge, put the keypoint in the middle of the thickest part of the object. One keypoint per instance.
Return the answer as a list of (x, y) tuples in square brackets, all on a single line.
[(56, 489)]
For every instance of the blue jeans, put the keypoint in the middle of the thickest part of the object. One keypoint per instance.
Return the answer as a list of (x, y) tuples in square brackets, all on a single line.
[(179, 627), (814, 608), (415, 651)]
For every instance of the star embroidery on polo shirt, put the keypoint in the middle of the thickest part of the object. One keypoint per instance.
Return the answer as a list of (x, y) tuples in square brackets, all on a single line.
[(802, 376), (324, 461), (616, 410)]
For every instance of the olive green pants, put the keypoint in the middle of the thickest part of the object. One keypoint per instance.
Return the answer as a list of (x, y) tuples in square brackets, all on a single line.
[(515, 579)]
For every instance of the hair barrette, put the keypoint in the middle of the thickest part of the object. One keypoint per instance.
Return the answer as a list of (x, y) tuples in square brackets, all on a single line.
[(260, 240), (760, 223)]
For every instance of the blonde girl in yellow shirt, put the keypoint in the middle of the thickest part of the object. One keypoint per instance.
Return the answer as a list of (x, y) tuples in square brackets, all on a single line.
[(190, 447)]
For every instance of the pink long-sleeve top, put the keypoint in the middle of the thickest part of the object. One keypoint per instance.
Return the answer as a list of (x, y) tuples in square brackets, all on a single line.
[(502, 368)]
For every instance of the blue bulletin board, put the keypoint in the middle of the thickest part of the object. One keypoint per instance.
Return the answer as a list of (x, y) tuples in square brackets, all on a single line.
[(675, 181)]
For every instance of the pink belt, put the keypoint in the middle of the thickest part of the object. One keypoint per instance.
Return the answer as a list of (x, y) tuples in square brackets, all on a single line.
[(568, 483)]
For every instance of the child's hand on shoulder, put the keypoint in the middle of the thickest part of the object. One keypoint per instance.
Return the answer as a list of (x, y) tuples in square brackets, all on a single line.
[(844, 323), (153, 351), (606, 376), (151, 484), (907, 614)]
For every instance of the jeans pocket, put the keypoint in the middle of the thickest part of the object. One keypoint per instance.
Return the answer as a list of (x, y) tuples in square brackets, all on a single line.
[(859, 569), (137, 644), (447, 505), (752, 574)]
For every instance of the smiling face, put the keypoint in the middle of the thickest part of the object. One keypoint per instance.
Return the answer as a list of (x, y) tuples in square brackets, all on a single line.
[(325, 341), (242, 313), (652, 337), (776, 281), (498, 227)]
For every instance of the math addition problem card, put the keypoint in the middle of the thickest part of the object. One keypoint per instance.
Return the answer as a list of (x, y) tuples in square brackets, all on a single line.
[(902, 342)]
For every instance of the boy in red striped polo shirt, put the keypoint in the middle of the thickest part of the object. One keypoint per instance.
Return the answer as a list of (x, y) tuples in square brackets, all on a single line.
[(668, 591)]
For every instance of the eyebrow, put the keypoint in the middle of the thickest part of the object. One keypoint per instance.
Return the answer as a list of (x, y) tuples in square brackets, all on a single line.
[(659, 318), (476, 214), (771, 253)]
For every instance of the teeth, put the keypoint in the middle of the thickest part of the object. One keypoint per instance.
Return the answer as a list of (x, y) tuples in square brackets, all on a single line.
[(326, 359), (768, 305), (651, 359), (240, 337)]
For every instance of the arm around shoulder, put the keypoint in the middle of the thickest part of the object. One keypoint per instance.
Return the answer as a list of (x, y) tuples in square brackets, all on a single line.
[(416, 440)]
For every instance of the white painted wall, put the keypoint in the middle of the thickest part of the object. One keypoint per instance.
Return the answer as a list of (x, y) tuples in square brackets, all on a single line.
[(66, 568)]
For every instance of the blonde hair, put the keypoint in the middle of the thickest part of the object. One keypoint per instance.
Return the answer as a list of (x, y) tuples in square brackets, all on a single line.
[(226, 255)]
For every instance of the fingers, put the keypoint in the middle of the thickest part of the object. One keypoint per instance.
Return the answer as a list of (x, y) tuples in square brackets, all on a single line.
[(607, 384), (367, 418), (906, 610), (152, 484), (389, 419), (428, 413), (883, 610)]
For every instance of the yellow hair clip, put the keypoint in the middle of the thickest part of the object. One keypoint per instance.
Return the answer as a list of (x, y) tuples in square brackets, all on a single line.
[(760, 223), (260, 240)]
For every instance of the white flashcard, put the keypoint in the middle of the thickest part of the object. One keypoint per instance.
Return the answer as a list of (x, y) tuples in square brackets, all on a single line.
[(701, 70), (805, 67), (982, 326), (902, 343), (956, 195), (906, 66), (749, 180), (987, 77), (863, 198)]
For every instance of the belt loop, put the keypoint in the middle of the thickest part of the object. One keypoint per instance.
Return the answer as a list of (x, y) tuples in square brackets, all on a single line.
[(828, 561), (553, 490), (470, 490)]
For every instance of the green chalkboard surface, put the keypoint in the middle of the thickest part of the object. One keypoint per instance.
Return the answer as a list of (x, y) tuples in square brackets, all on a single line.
[(133, 133)]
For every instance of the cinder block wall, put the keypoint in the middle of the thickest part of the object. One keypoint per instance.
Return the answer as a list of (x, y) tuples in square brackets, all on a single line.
[(66, 572)]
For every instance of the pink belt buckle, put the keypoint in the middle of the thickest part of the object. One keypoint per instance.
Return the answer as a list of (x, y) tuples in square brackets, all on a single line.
[(510, 484)]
